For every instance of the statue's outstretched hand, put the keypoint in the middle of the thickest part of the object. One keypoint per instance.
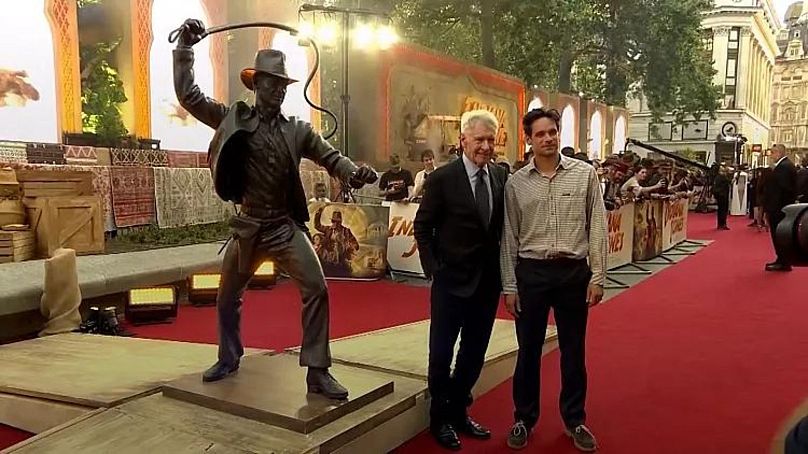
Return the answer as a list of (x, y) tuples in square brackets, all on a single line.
[(364, 175), (193, 31)]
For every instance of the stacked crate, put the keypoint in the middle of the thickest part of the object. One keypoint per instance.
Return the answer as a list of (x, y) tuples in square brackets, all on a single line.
[(17, 245)]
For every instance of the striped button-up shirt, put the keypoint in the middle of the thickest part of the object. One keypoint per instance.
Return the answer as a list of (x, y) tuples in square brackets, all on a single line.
[(558, 216)]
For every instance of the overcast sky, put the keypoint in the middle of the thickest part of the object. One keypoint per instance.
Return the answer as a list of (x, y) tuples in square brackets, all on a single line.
[(782, 6)]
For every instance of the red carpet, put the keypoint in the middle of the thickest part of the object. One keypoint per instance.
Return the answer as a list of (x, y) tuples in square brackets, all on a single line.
[(705, 357), (10, 436), (271, 318), (708, 356)]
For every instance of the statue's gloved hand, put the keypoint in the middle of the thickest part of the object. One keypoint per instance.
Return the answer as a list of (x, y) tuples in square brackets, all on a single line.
[(364, 175), (192, 32)]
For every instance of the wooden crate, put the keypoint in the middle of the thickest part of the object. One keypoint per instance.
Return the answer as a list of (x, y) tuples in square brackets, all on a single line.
[(16, 246), (70, 222), (53, 183)]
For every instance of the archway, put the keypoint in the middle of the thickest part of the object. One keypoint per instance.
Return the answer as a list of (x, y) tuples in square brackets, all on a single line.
[(568, 127), (170, 123), (297, 66), (28, 102), (595, 135), (619, 135)]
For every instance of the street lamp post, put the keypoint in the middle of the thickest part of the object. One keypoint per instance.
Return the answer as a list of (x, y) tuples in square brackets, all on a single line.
[(345, 14)]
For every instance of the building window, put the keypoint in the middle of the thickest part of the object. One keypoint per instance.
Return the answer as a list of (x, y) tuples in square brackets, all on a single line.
[(730, 81), (734, 37), (707, 40)]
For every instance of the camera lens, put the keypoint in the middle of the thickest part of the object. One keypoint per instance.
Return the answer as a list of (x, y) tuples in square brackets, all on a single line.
[(791, 238)]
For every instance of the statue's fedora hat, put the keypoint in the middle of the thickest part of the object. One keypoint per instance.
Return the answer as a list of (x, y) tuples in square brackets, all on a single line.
[(269, 61)]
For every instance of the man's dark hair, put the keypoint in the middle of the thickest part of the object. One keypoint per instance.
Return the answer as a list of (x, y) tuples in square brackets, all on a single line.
[(570, 152), (535, 114), (427, 154)]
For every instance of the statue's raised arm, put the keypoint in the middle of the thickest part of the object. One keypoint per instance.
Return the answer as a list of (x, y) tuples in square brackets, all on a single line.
[(191, 98)]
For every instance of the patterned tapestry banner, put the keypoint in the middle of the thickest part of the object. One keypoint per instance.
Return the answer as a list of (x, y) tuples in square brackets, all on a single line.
[(350, 239), (13, 152), (133, 195), (185, 196), (138, 157), (185, 159), (82, 155)]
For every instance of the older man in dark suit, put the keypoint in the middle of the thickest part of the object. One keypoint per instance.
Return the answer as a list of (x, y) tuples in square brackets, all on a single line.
[(780, 190), (458, 228)]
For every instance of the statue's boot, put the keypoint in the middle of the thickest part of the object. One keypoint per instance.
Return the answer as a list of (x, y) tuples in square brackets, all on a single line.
[(219, 371), (322, 382)]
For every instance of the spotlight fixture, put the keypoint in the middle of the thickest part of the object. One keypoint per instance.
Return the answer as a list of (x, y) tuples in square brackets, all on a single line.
[(264, 276), (202, 288), (151, 305)]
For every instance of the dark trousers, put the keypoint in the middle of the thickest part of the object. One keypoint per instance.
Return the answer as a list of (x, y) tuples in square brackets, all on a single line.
[(472, 319), (298, 259), (560, 285), (774, 219), (723, 210)]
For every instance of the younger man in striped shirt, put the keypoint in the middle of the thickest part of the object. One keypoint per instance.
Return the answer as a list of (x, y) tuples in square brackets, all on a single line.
[(553, 255)]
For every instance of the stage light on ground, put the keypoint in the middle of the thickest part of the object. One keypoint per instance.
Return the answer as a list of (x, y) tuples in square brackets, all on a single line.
[(151, 304), (364, 35), (264, 276), (386, 37), (202, 288)]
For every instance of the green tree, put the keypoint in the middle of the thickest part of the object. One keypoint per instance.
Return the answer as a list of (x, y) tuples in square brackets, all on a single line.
[(101, 93), (604, 49)]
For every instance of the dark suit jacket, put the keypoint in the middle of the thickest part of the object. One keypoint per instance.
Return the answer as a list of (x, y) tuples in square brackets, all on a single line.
[(234, 123), (780, 188), (456, 249)]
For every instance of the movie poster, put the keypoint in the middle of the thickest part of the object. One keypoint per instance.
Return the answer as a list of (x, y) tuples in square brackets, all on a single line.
[(350, 239), (429, 93), (647, 229), (620, 225), (674, 230), (402, 251)]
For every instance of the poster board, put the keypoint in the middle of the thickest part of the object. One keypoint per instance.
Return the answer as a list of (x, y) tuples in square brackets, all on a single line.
[(674, 229), (350, 239), (620, 224), (647, 229), (402, 250)]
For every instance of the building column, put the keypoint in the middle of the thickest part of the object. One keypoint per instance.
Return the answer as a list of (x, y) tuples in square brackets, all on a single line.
[(720, 47), (63, 17), (743, 86), (141, 15), (217, 14)]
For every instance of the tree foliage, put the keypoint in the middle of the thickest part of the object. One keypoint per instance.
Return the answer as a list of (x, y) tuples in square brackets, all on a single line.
[(101, 93), (604, 49)]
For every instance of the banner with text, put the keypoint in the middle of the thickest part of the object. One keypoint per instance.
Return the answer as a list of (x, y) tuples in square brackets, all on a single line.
[(620, 224), (674, 229), (402, 251), (350, 239)]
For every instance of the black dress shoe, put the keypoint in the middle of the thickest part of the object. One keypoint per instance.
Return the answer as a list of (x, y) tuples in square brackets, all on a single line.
[(473, 429), (219, 371), (446, 436), (321, 382), (778, 267)]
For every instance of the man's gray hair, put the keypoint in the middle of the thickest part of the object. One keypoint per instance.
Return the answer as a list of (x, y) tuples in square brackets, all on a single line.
[(470, 118)]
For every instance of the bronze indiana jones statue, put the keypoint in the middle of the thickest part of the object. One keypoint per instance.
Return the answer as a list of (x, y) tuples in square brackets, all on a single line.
[(254, 158)]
